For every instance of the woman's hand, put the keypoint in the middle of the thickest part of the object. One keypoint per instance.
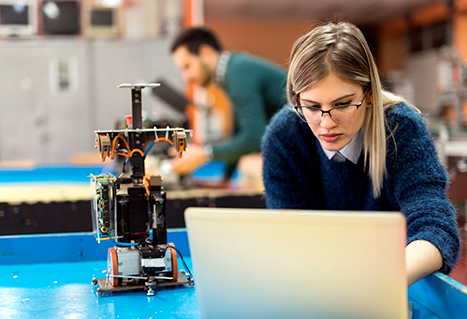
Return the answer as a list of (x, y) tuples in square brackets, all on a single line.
[(421, 259)]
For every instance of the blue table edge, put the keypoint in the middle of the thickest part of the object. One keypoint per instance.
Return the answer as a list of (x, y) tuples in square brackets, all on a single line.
[(435, 296)]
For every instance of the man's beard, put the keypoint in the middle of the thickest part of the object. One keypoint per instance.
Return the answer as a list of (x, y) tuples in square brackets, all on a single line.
[(207, 76)]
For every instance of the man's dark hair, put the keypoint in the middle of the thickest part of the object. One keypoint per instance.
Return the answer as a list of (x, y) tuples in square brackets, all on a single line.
[(193, 38)]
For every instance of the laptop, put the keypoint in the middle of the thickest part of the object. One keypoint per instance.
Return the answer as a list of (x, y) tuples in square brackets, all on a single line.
[(259, 263)]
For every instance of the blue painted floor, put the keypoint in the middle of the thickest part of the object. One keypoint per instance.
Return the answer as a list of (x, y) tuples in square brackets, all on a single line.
[(64, 290)]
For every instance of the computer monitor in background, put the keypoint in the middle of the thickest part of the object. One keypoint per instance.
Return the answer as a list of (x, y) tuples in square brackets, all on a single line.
[(60, 17), (18, 18), (100, 22)]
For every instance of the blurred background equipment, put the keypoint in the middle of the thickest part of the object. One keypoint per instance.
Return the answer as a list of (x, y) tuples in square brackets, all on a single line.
[(172, 97), (100, 21), (18, 18), (61, 17)]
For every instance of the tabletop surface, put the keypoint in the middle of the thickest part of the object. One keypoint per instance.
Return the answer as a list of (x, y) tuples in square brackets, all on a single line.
[(50, 276), (64, 290)]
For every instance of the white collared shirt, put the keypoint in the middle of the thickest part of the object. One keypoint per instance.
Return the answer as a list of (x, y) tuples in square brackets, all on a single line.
[(351, 151)]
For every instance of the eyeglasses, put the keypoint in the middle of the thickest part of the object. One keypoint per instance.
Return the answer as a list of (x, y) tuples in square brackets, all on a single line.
[(342, 113)]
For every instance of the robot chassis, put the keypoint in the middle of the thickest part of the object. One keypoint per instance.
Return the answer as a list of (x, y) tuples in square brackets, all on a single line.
[(131, 209)]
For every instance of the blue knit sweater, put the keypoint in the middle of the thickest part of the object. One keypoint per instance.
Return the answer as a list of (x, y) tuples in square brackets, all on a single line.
[(298, 175)]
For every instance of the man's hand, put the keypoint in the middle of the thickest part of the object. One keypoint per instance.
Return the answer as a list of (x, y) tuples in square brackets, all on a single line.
[(191, 159)]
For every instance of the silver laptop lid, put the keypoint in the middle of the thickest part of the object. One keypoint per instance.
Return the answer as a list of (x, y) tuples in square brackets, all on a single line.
[(258, 263)]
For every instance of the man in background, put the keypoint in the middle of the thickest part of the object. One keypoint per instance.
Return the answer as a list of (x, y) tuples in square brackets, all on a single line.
[(256, 88)]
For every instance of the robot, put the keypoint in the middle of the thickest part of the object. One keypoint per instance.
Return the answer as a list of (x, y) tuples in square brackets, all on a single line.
[(131, 209)]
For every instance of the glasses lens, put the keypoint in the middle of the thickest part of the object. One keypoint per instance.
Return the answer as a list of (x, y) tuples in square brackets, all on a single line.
[(309, 115), (344, 113), (340, 114)]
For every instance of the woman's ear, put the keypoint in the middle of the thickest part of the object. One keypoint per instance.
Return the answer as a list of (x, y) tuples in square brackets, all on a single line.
[(370, 98)]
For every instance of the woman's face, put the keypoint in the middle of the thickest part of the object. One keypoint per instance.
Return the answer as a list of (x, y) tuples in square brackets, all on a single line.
[(327, 94)]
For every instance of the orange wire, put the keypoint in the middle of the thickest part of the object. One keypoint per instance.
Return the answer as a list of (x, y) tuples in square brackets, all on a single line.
[(142, 233), (112, 155), (123, 154), (136, 150), (168, 140), (132, 184), (124, 141), (164, 139), (146, 185)]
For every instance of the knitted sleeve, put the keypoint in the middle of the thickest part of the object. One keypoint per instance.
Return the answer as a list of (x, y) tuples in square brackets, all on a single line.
[(283, 163), (420, 182)]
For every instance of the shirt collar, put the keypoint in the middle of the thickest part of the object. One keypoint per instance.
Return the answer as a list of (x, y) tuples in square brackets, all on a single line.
[(351, 151), (221, 69)]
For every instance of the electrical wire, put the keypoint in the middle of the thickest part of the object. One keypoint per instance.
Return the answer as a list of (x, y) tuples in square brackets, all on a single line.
[(149, 148), (141, 233), (112, 155), (155, 141), (136, 150), (167, 246), (164, 139), (122, 154), (146, 185), (123, 168), (132, 184), (183, 260)]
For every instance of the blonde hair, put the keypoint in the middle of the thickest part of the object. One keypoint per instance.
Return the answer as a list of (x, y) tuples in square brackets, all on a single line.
[(341, 48)]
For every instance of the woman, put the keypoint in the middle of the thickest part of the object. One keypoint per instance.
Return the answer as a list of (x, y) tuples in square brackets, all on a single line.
[(347, 144)]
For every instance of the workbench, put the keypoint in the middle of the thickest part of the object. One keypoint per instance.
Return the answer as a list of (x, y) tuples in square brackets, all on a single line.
[(46, 271), (49, 276), (42, 199)]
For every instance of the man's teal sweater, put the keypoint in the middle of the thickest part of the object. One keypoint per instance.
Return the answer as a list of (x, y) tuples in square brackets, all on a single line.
[(256, 89)]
